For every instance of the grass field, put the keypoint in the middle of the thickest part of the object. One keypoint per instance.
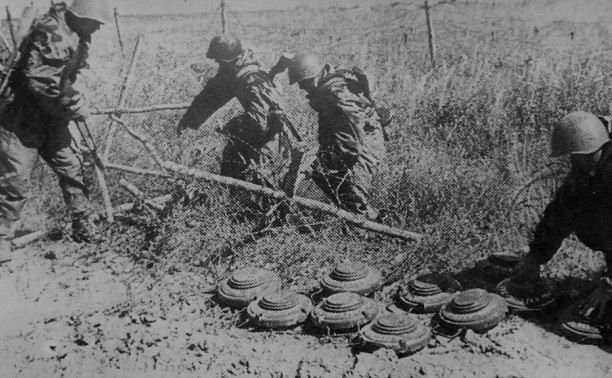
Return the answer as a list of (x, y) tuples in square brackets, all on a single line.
[(468, 138)]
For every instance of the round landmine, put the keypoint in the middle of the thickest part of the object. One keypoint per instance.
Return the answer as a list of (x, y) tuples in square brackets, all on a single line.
[(246, 285), (579, 328), (352, 277), (527, 295), (402, 333), (280, 309), (428, 292), (498, 265), (343, 311), (475, 309)]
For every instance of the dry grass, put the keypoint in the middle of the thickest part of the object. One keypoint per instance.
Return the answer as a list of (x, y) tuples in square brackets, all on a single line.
[(467, 138)]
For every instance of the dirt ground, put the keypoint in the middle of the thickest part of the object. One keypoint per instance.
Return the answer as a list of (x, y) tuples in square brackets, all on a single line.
[(78, 311)]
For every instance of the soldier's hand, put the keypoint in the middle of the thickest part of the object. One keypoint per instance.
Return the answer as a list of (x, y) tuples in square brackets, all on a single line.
[(598, 302), (527, 268)]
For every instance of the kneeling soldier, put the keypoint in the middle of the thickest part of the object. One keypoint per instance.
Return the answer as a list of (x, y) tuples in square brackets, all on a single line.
[(583, 205)]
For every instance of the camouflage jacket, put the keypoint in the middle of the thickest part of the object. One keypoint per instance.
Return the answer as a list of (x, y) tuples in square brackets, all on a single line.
[(52, 55), (582, 205), (253, 89), (348, 122)]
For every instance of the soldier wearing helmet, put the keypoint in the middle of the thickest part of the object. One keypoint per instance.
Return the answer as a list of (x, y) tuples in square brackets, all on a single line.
[(583, 204), (45, 100), (351, 137), (257, 148)]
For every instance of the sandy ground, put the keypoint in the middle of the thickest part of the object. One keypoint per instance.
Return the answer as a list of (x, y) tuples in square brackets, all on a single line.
[(80, 312)]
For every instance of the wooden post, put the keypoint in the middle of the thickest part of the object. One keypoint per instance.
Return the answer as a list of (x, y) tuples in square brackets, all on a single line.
[(118, 31), (223, 23), (430, 35), (122, 98), (9, 20)]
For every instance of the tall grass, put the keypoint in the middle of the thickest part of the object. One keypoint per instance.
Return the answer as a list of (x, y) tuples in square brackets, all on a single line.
[(468, 135)]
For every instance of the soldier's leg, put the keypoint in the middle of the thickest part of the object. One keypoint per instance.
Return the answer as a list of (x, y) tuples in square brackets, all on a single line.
[(349, 187), (354, 190), (18, 155), (64, 157)]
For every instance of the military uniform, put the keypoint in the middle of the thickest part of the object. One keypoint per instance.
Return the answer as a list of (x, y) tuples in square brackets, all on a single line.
[(583, 205), (255, 150), (36, 121), (351, 140)]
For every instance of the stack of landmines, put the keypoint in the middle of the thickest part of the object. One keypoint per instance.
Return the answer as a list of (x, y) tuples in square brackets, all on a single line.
[(344, 303)]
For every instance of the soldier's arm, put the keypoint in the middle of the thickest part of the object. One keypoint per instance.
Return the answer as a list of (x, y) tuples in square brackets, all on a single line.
[(215, 94), (351, 107), (556, 225), (42, 79), (281, 65)]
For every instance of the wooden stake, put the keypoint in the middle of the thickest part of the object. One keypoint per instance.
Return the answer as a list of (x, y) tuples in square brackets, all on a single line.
[(430, 35), (122, 98), (223, 24), (9, 20), (118, 31)]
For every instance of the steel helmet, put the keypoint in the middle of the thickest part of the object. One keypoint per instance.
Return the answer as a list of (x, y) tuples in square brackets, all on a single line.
[(303, 66), (225, 48), (578, 133), (93, 9)]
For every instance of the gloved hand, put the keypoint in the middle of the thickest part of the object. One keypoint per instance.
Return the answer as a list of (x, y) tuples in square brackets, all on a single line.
[(281, 65), (596, 305), (527, 268)]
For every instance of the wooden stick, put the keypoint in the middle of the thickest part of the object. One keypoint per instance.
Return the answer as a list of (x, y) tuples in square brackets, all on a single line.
[(142, 138), (431, 39), (127, 168), (144, 109), (99, 166), (133, 190), (121, 101), (9, 21), (9, 47), (118, 31), (29, 238)]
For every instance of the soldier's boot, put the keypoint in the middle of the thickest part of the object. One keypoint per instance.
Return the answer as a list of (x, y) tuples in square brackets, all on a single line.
[(84, 230), (5, 251)]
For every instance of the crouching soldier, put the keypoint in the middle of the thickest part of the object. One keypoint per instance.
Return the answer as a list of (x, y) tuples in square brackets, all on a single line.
[(582, 205), (255, 150), (351, 136), (36, 121)]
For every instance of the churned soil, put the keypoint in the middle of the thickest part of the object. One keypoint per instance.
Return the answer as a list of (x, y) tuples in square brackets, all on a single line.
[(82, 311)]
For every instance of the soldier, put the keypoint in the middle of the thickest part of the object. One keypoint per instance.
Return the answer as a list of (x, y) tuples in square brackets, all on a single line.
[(351, 136), (582, 205), (36, 121), (255, 151)]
